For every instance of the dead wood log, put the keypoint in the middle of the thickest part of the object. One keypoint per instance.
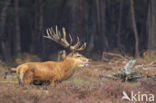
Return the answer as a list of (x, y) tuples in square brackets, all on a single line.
[(126, 74)]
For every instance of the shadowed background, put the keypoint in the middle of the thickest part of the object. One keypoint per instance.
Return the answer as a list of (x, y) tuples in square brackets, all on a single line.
[(127, 27)]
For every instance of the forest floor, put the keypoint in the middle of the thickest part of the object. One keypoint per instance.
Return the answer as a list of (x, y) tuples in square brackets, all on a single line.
[(85, 86)]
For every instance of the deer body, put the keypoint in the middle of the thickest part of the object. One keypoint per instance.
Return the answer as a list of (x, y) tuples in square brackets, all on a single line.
[(50, 71), (54, 71)]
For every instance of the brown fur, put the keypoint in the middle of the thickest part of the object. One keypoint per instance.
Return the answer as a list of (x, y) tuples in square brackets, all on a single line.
[(50, 71)]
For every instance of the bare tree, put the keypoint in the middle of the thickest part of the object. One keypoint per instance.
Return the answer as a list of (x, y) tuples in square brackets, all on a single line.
[(98, 25), (17, 37), (92, 21), (4, 43), (61, 12), (104, 39), (134, 28), (38, 26), (74, 17), (119, 25), (151, 25), (81, 23)]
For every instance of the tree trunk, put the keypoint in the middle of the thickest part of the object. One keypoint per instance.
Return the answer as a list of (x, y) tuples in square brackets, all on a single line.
[(35, 36), (75, 14), (17, 40), (92, 27), (119, 25), (41, 30), (134, 28), (102, 42), (144, 37), (98, 24), (38, 27), (104, 39), (151, 25), (81, 23), (4, 43), (61, 12)]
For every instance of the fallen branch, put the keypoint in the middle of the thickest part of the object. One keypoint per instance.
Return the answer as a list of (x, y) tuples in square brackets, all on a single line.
[(126, 74), (108, 76)]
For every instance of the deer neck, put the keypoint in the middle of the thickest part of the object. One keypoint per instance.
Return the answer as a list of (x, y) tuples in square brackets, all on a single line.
[(68, 66)]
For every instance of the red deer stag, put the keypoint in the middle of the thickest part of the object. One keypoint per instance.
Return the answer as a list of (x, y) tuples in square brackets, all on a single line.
[(53, 71)]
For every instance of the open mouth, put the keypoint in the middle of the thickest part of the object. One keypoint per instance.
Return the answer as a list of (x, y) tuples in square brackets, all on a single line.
[(85, 65)]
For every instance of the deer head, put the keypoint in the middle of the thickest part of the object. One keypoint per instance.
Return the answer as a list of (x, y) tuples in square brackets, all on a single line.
[(74, 49)]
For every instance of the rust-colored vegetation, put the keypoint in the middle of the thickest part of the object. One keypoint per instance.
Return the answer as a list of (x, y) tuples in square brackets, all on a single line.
[(85, 86)]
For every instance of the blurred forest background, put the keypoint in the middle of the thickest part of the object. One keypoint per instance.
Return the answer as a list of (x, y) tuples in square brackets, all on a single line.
[(126, 26)]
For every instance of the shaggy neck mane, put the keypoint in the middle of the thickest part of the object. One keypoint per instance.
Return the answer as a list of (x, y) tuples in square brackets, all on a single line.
[(68, 66)]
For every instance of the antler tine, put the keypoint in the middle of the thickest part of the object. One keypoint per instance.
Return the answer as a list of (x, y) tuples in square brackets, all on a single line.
[(59, 34), (64, 37), (56, 36), (64, 33), (82, 47), (56, 30), (53, 35), (48, 34), (51, 31), (71, 40), (77, 44)]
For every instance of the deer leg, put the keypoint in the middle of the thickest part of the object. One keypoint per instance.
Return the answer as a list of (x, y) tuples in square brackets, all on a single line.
[(19, 80), (28, 77), (52, 84)]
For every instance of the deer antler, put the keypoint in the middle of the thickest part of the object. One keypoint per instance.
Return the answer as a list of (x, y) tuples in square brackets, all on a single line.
[(56, 36)]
